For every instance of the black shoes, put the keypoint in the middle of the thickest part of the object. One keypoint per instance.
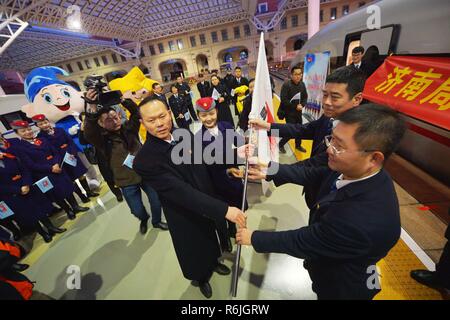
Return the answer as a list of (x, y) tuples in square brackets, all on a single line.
[(300, 148), (84, 199), (119, 198), (77, 209), (92, 194), (71, 215), (282, 150), (205, 288), (19, 267), (426, 278), (143, 227), (54, 230), (47, 237), (222, 269), (161, 225)]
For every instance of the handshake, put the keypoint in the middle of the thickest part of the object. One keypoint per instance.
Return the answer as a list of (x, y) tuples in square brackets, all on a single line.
[(236, 215)]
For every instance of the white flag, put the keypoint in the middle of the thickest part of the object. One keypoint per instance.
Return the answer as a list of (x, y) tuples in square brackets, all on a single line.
[(262, 108), (215, 94), (298, 97)]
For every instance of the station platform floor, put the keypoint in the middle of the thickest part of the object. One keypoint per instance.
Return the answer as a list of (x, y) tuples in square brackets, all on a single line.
[(117, 262)]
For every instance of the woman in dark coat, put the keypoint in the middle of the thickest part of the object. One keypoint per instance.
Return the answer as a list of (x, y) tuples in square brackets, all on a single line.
[(44, 161), (220, 95), (27, 203), (62, 142)]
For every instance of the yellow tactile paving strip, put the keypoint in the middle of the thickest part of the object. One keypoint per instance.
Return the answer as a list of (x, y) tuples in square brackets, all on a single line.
[(396, 284)]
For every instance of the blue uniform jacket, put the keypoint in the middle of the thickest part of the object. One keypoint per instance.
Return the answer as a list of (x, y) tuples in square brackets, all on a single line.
[(63, 142)]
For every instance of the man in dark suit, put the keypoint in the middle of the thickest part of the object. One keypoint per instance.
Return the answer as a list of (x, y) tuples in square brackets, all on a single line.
[(293, 98), (360, 63), (187, 195), (356, 219), (158, 93), (185, 91), (342, 91), (238, 81), (203, 86), (179, 108)]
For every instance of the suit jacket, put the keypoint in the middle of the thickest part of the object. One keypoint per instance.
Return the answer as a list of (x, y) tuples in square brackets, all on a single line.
[(243, 82), (204, 88), (288, 108), (190, 206), (367, 67), (162, 98), (183, 88), (316, 131), (350, 230), (228, 82)]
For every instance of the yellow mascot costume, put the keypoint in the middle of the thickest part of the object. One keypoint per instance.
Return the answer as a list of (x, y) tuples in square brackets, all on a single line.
[(135, 86)]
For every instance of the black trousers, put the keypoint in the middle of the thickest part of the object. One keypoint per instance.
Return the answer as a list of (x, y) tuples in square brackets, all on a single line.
[(292, 119), (191, 110)]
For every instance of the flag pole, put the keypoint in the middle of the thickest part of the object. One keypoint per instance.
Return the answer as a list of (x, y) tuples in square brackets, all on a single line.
[(237, 259)]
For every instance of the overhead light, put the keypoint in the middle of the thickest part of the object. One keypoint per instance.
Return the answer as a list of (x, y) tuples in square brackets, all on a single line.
[(73, 21)]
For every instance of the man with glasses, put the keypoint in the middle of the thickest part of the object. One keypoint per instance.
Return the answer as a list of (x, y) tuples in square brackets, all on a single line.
[(342, 91), (119, 142), (355, 220)]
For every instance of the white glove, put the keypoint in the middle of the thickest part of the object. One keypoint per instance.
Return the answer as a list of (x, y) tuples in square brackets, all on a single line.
[(74, 129)]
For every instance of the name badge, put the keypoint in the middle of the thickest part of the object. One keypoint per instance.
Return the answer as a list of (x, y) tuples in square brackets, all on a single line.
[(187, 116), (5, 211), (129, 161)]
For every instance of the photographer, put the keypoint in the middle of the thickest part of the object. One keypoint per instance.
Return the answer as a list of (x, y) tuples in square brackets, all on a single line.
[(119, 143)]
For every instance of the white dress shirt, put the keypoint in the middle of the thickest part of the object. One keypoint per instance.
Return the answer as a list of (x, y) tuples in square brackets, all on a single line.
[(341, 182)]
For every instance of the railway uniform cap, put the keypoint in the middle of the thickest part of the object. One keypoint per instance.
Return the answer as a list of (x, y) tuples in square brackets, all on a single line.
[(39, 117), (19, 124), (205, 104)]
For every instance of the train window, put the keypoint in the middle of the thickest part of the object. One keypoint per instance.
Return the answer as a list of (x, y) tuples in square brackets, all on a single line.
[(380, 38), (385, 39)]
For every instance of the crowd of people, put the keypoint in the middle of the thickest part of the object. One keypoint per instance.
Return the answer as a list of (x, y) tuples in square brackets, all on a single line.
[(354, 213)]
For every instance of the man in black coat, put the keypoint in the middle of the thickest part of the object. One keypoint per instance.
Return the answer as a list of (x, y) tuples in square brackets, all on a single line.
[(185, 91), (343, 91), (238, 81), (293, 98), (360, 62), (228, 81), (356, 219), (187, 195), (179, 108), (158, 93), (203, 86)]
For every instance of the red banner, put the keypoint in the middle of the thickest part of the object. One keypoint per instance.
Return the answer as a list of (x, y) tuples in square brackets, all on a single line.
[(416, 86)]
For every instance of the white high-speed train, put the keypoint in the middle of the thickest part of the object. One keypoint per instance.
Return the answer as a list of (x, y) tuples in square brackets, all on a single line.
[(408, 28)]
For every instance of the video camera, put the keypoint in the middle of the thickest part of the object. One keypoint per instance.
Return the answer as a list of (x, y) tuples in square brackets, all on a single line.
[(104, 99)]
